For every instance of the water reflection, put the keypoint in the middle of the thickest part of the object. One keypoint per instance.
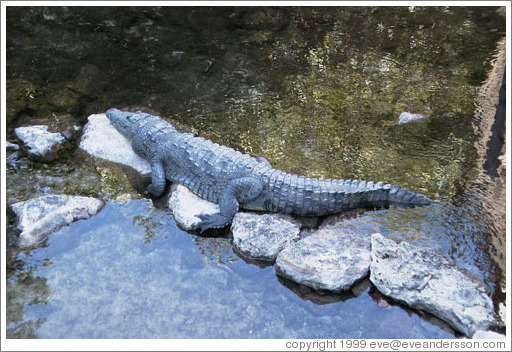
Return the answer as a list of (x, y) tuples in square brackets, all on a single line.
[(104, 279)]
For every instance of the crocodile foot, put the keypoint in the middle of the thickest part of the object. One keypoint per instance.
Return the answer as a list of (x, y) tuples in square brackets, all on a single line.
[(212, 221)]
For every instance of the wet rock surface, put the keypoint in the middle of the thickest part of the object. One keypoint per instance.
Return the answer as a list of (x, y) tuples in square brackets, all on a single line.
[(329, 259), (40, 144), (39, 217), (426, 280), (263, 236), (490, 185), (186, 205)]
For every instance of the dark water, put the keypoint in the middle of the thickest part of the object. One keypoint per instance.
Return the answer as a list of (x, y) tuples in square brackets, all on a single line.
[(317, 91)]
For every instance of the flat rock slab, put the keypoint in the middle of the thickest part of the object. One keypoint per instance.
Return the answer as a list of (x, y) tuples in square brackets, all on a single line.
[(39, 217), (100, 139), (263, 236), (186, 205), (329, 259), (39, 143), (424, 279)]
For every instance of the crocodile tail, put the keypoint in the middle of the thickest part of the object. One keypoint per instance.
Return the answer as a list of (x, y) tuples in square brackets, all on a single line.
[(355, 193), (402, 196), (295, 194)]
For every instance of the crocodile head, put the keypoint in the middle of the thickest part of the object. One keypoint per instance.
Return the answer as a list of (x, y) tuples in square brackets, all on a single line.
[(126, 123), (130, 123)]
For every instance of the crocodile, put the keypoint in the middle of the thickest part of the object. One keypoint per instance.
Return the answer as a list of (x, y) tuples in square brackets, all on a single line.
[(236, 180)]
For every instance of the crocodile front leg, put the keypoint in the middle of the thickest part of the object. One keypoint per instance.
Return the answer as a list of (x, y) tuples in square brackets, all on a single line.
[(261, 159), (157, 186), (237, 191)]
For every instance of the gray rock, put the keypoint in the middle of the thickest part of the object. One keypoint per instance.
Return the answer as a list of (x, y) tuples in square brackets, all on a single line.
[(39, 217), (11, 147), (263, 236), (424, 279), (328, 260), (39, 143), (407, 117), (100, 139), (480, 334), (186, 205)]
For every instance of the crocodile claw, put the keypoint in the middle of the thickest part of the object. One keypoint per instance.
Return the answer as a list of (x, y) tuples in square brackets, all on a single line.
[(212, 221)]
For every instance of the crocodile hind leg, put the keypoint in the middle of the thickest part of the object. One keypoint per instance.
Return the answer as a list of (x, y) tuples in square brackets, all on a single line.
[(237, 191), (157, 186)]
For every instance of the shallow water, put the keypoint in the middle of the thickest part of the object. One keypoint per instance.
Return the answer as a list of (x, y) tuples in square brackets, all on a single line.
[(115, 276), (317, 91)]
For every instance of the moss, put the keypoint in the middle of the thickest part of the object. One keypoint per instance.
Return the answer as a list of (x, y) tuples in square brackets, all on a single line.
[(149, 224), (20, 94), (216, 249), (115, 183)]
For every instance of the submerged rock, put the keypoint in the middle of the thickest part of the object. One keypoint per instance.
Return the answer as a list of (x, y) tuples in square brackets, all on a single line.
[(89, 82), (329, 259), (263, 236), (39, 217), (101, 139), (407, 117), (426, 280), (186, 205), (40, 144)]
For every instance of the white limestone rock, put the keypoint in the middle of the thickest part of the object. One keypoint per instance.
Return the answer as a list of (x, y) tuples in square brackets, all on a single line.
[(100, 139), (424, 279), (263, 236), (407, 117), (40, 144), (39, 217), (186, 205), (329, 259)]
